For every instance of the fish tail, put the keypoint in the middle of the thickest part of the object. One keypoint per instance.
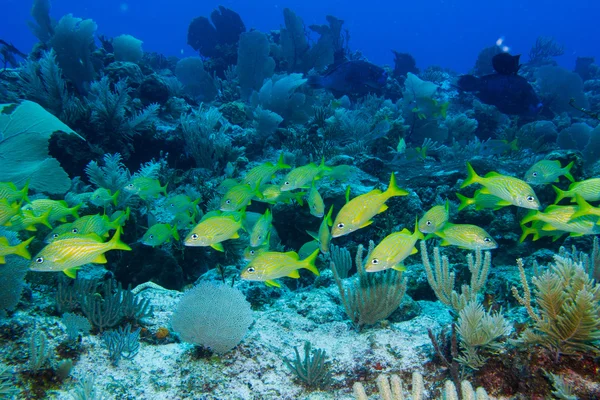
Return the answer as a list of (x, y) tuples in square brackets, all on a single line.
[(472, 177), (532, 215), (528, 231), (163, 189), (44, 219), (24, 192), (309, 262), (464, 201), (567, 170), (175, 233), (583, 208), (328, 219), (115, 242), (115, 196), (560, 194), (299, 198), (393, 188), (444, 109), (74, 210), (281, 163), (21, 248), (417, 233)]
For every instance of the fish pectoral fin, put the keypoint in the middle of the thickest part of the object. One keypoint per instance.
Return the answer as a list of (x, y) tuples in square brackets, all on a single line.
[(235, 236), (294, 274), (71, 272), (272, 283), (548, 227), (445, 243), (217, 246), (484, 190), (100, 259), (576, 234), (503, 203), (2, 260), (366, 224), (382, 208), (399, 267), (414, 251)]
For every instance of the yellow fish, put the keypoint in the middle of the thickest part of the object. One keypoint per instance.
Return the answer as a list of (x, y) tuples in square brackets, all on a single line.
[(98, 224), (548, 171), (508, 188), (435, 218), (273, 194), (270, 265), (261, 229), (482, 201), (10, 193), (184, 220), (315, 202), (20, 250), (466, 236), (393, 249), (68, 255), (102, 197), (158, 234), (26, 220), (58, 209), (59, 231), (8, 210), (263, 173), (300, 177), (181, 203), (145, 187), (214, 230), (251, 252), (323, 237), (589, 190), (357, 213), (560, 218), (238, 197)]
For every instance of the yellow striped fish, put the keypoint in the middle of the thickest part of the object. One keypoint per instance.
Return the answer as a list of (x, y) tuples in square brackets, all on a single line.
[(270, 265), (392, 250), (214, 230), (589, 190), (263, 173), (466, 236), (435, 218)]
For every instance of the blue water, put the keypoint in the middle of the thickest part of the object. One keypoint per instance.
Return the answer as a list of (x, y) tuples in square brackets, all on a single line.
[(436, 32)]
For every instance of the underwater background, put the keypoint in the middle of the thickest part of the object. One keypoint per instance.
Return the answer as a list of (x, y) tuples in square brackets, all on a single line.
[(300, 200)]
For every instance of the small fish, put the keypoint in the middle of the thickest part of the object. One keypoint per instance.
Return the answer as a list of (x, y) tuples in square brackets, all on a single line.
[(184, 220), (358, 212), (59, 210), (145, 187), (60, 231), (353, 78), (482, 201), (301, 177), (20, 249), (226, 185), (560, 218), (273, 194), (10, 193), (261, 174), (271, 265), (251, 252), (589, 190), (499, 147), (341, 173), (98, 224), (181, 203), (466, 236), (393, 249), (323, 237), (435, 218), (548, 171), (8, 210), (238, 197), (315, 202), (158, 234), (509, 188), (68, 255), (26, 220), (261, 229), (214, 230), (102, 197)]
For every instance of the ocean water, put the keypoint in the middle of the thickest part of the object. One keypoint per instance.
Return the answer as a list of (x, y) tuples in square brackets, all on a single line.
[(284, 213)]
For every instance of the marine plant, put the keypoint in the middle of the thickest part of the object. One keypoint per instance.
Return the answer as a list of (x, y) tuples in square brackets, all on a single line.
[(122, 343), (313, 370)]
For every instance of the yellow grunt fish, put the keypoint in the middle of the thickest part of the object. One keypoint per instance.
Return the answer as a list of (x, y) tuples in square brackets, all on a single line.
[(548, 171), (58, 209), (435, 218), (482, 201), (302, 176), (323, 237), (261, 229), (589, 190), (263, 173), (10, 193), (270, 265), (393, 249), (158, 234), (466, 236), (315, 202), (238, 197), (214, 230)]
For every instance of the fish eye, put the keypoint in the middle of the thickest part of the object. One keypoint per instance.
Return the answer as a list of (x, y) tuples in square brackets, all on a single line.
[(227, 201), (39, 260), (194, 236), (487, 239), (75, 230), (130, 185), (429, 223), (250, 270), (534, 174), (251, 252), (172, 205), (54, 235), (151, 236), (375, 261), (286, 183), (530, 198), (340, 225), (259, 237)]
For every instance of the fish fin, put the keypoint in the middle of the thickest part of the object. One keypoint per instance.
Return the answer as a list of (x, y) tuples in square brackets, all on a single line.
[(100, 259), (399, 267), (382, 208), (217, 246), (414, 251), (294, 274), (175, 233), (235, 236), (309, 262), (4, 241), (464, 201), (2, 261), (492, 174), (44, 219), (163, 189), (21, 248), (406, 231), (71, 272), (366, 224), (292, 254), (584, 208), (548, 227), (567, 170), (115, 196), (347, 194), (313, 235), (471, 178), (430, 236), (31, 228), (115, 242), (281, 164), (560, 194), (484, 190), (393, 188), (328, 216), (445, 243), (272, 283), (503, 203), (532, 215), (74, 210), (576, 234), (63, 219)]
